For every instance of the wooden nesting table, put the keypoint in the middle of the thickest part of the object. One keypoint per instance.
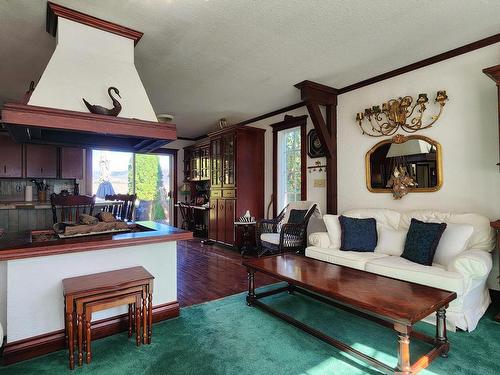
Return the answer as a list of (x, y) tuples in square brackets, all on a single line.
[(393, 303), (84, 295)]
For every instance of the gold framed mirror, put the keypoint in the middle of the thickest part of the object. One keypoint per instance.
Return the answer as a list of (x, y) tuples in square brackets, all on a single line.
[(404, 164)]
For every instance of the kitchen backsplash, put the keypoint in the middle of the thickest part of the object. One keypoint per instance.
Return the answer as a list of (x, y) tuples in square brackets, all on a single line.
[(12, 190)]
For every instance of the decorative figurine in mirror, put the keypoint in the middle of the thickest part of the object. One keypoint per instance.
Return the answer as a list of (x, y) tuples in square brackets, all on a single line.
[(404, 164), (397, 113)]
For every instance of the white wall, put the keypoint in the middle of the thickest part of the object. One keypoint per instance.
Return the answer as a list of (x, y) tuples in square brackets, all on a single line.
[(313, 194), (467, 131)]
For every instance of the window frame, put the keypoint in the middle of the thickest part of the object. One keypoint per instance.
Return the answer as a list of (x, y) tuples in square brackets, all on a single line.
[(161, 151), (288, 123)]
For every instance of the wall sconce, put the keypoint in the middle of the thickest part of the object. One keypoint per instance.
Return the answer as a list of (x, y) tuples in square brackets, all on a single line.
[(396, 113)]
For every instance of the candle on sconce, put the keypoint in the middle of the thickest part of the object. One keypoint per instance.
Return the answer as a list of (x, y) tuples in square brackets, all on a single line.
[(422, 98), (360, 116), (441, 96)]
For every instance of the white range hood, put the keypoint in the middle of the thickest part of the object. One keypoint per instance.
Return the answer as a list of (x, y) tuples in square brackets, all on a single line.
[(91, 55)]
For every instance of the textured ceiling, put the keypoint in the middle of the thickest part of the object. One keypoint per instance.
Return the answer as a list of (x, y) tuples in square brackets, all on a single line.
[(202, 60)]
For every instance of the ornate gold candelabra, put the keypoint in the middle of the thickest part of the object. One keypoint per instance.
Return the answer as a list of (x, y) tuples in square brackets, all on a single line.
[(396, 112)]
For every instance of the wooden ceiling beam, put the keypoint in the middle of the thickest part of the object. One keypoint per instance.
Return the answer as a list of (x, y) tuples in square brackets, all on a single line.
[(315, 95)]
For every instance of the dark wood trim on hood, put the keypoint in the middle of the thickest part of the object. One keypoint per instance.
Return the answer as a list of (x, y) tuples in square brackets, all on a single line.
[(55, 10), (34, 124)]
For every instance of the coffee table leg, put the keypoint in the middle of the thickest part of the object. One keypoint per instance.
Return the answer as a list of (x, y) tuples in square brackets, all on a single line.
[(251, 286), (404, 365), (441, 338)]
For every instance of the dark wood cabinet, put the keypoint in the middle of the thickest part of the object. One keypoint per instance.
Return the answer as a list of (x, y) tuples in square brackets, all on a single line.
[(237, 179), (232, 160), (11, 164), (41, 161), (72, 163)]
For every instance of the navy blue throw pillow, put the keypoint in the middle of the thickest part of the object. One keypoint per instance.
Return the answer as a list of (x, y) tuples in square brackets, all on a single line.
[(358, 234), (422, 241), (297, 216)]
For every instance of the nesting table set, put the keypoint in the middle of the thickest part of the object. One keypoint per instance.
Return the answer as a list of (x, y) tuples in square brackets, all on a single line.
[(84, 295)]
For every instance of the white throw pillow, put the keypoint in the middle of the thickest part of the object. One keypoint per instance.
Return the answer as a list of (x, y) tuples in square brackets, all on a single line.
[(453, 241), (390, 241), (334, 231)]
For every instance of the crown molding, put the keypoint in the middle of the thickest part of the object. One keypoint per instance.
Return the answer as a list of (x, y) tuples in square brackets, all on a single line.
[(55, 10)]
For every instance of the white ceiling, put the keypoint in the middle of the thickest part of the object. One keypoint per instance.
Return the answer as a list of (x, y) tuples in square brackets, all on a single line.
[(203, 60)]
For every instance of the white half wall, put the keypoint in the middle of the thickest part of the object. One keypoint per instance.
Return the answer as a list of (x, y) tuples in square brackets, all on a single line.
[(35, 303), (467, 131)]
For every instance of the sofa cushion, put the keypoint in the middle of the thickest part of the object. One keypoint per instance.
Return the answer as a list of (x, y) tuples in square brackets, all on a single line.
[(384, 217), (483, 236), (358, 234), (353, 259), (435, 276), (453, 241), (332, 225), (390, 241), (422, 240)]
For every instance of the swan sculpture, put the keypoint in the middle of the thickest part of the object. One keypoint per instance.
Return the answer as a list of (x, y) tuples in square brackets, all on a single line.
[(99, 110)]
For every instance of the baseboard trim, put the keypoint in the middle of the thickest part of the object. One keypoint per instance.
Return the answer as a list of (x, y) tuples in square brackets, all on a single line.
[(53, 341)]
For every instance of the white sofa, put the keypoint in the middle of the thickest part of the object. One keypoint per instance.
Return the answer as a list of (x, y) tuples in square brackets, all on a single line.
[(464, 263)]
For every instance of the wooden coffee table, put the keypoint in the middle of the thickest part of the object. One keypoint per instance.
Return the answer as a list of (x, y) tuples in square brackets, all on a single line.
[(393, 303)]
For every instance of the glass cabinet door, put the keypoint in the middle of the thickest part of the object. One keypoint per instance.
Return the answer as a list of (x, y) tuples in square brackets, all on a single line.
[(195, 165), (228, 173), (215, 160), (205, 163)]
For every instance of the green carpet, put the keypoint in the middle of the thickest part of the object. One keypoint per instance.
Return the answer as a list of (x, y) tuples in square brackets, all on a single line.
[(227, 337)]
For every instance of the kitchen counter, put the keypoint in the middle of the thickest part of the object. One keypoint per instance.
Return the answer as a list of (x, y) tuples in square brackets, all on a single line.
[(20, 245), (35, 205), (32, 270)]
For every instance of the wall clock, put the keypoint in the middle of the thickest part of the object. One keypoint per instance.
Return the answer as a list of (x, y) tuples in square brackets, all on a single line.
[(314, 146)]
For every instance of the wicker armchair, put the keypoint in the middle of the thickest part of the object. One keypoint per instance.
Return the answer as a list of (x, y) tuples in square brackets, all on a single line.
[(278, 236)]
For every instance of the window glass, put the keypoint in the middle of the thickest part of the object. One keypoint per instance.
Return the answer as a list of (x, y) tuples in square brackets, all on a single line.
[(289, 166)]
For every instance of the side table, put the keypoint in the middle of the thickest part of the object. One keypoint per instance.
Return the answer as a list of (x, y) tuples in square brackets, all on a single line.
[(245, 242)]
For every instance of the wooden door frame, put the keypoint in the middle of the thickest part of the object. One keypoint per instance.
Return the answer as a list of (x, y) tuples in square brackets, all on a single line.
[(288, 123), (173, 152)]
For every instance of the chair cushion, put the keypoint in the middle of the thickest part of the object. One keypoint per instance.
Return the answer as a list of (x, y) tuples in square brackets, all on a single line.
[(358, 234), (390, 241), (453, 241), (422, 240), (297, 216), (273, 238), (435, 276), (353, 259)]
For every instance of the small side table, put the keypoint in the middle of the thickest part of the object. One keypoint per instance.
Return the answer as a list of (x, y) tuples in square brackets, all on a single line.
[(246, 241)]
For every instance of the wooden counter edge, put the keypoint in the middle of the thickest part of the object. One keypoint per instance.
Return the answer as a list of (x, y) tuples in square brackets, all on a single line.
[(39, 251)]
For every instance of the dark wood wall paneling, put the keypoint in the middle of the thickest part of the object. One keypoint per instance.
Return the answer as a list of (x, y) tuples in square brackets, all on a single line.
[(288, 123)]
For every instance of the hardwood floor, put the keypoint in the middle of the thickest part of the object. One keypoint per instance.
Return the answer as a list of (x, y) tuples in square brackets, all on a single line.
[(209, 272)]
